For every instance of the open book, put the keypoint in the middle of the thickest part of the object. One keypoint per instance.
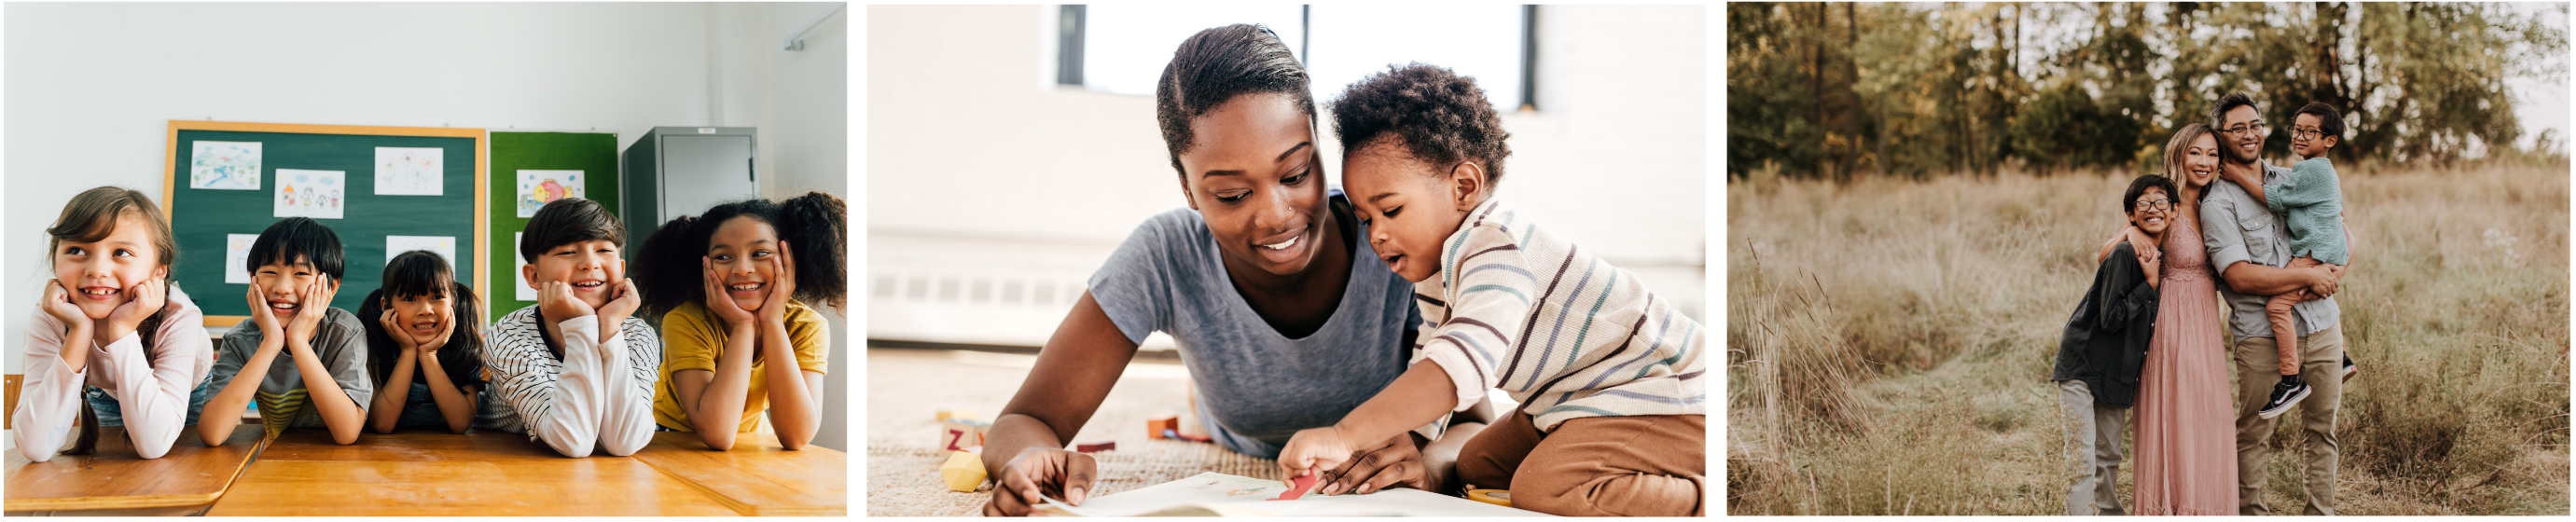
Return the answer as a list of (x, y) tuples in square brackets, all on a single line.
[(1221, 495)]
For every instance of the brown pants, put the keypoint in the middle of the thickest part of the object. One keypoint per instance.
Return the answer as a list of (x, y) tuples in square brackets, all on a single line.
[(2279, 311), (1647, 465)]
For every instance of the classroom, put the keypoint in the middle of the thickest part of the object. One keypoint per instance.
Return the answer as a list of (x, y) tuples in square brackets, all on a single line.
[(204, 158)]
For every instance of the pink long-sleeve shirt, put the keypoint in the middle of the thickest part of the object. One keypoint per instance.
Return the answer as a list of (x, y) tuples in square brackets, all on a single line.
[(153, 393)]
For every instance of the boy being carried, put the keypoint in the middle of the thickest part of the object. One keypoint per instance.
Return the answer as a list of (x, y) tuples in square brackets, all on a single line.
[(2311, 201)]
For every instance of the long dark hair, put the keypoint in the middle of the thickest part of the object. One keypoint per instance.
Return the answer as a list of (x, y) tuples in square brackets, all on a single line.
[(814, 225), (420, 273), (92, 216)]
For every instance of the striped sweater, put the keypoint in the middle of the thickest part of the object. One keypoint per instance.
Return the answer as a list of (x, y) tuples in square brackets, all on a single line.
[(598, 395), (1518, 308)]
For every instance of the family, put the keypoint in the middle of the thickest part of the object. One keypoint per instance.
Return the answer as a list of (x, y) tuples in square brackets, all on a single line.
[(2270, 242), (1354, 334)]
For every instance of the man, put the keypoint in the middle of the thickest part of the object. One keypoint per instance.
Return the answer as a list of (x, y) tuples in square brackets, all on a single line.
[(2249, 244)]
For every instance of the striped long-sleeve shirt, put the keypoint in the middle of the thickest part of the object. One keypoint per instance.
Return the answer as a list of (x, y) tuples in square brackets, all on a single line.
[(1518, 308), (600, 391)]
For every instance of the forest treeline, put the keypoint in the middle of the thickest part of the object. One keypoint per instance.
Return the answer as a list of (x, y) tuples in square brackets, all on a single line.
[(1843, 89)]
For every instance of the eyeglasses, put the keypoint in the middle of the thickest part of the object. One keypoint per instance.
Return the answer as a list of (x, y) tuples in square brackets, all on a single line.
[(2156, 204), (2240, 130), (2306, 134)]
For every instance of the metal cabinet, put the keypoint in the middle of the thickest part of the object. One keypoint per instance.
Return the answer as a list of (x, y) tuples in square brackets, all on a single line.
[(677, 171)]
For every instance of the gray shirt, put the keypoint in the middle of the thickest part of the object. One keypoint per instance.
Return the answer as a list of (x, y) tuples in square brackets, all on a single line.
[(1255, 386), (340, 341), (2238, 228)]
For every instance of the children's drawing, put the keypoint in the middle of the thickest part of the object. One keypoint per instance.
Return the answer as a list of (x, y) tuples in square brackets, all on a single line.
[(317, 194), (539, 187), (237, 258), (224, 165), (445, 246), (411, 171)]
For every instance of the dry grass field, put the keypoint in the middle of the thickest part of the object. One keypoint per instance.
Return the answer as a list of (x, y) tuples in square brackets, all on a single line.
[(1890, 342)]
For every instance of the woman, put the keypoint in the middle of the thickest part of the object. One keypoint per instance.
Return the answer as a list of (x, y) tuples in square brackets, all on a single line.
[(1285, 321), (2186, 440)]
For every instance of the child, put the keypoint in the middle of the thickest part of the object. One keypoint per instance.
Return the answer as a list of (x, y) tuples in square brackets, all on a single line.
[(2105, 346), (295, 271), (1613, 417), (726, 287), (111, 324), (423, 336), (576, 369), (2311, 201)]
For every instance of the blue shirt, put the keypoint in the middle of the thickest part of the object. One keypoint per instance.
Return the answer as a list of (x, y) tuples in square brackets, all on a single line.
[(1255, 386)]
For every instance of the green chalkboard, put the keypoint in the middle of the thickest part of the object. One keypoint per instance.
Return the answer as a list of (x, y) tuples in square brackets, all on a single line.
[(594, 154), (204, 218)]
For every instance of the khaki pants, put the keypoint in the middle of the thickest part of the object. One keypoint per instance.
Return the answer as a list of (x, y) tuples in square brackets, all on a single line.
[(1646, 465), (2257, 370), (2091, 450)]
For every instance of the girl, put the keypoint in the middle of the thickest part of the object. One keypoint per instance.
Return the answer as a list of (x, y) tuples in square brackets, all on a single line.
[(422, 338), (110, 319), (729, 282)]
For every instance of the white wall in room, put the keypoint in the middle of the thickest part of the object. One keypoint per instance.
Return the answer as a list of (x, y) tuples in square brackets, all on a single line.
[(986, 177), (90, 88)]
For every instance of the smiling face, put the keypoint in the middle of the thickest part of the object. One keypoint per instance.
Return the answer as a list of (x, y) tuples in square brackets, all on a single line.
[(2306, 139), (743, 250), (283, 284), (2144, 211), (1256, 179), (2242, 147), (98, 273), (1410, 206), (420, 315), (591, 267), (2200, 161)]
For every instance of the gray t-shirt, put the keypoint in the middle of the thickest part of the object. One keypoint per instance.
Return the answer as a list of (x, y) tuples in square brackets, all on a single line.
[(340, 342), (2235, 227), (1257, 387)]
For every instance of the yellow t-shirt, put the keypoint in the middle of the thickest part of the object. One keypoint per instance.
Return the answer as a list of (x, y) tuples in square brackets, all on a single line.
[(692, 339)]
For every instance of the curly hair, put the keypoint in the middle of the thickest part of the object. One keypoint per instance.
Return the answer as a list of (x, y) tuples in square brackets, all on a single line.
[(1215, 66), (1441, 117), (815, 226)]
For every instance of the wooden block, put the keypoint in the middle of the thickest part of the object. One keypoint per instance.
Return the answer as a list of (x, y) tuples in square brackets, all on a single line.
[(963, 472), (1156, 427), (956, 434), (944, 415), (1097, 445)]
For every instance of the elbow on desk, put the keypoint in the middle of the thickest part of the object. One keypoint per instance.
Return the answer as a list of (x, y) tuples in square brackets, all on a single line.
[(718, 440)]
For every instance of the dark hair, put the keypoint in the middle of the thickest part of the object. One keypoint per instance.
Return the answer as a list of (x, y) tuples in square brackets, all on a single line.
[(2138, 187), (92, 216), (566, 221), (2218, 110), (1442, 118), (1216, 65), (814, 225), (298, 236), (415, 274), (2328, 121)]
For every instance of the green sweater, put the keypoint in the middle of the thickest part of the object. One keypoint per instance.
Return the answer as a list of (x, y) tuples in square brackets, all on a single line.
[(2310, 199)]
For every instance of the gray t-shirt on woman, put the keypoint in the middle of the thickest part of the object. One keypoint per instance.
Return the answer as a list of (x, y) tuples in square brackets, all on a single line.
[(1257, 387)]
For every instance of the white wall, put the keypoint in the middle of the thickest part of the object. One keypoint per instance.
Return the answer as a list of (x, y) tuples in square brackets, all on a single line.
[(983, 172), (89, 88)]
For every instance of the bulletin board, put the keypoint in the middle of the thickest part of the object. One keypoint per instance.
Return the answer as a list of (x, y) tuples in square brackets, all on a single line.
[(522, 162), (394, 188)]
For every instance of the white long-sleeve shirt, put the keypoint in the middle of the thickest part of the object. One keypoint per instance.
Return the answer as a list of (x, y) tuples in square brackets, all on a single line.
[(153, 394), (600, 393)]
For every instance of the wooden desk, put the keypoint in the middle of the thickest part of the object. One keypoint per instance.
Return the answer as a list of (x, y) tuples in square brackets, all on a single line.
[(484, 473), (758, 477), (191, 474)]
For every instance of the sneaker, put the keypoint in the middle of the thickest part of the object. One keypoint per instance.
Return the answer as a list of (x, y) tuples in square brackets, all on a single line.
[(2284, 395), (2348, 368)]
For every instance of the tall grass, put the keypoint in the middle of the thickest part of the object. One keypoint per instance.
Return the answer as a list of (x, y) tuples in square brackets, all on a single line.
[(1891, 342)]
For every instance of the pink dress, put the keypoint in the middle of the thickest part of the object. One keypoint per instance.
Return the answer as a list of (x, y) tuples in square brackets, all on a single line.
[(2186, 423)]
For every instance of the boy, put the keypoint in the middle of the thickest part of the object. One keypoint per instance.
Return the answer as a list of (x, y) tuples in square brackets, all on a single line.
[(2104, 347), (2311, 201), (576, 370), (1613, 418), (295, 271)]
